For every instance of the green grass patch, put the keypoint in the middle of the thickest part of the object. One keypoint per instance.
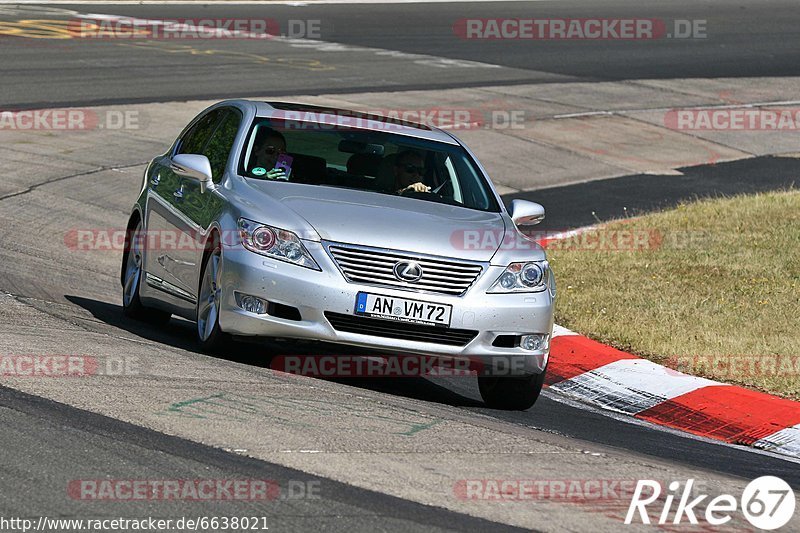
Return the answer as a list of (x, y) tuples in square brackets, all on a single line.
[(711, 288)]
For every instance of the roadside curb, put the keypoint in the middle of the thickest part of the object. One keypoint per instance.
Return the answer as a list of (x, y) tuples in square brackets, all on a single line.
[(591, 372)]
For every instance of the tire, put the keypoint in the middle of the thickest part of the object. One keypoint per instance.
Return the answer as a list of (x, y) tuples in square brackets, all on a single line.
[(132, 260), (209, 335), (511, 393)]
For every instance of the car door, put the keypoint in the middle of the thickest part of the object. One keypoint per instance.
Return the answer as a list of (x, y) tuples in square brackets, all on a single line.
[(166, 202), (198, 208), (154, 220)]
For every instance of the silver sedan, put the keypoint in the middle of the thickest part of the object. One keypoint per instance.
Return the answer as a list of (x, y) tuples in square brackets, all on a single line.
[(293, 221)]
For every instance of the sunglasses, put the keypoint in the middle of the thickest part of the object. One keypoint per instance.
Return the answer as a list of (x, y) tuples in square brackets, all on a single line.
[(412, 169), (272, 150)]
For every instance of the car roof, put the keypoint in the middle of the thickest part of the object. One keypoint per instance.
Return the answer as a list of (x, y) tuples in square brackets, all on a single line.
[(349, 118)]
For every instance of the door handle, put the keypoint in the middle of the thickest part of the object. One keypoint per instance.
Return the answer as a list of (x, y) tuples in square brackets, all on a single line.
[(155, 180), (178, 194)]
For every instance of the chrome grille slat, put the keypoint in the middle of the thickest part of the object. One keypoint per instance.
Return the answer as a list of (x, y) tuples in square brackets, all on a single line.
[(394, 258), (390, 277), (376, 267), (446, 280), (434, 288), (433, 266), (442, 274)]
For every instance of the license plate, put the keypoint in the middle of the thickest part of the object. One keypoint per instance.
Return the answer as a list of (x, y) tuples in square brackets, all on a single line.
[(402, 310)]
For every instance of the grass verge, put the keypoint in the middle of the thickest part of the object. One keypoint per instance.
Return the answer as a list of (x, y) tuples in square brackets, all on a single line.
[(710, 288)]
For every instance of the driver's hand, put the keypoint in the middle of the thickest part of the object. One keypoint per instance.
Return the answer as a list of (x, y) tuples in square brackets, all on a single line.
[(276, 174), (416, 187)]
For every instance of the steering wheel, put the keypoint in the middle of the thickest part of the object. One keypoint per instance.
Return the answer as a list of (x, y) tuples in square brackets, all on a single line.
[(439, 188), (436, 191)]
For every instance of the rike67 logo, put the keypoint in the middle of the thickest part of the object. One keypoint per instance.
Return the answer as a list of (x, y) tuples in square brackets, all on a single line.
[(767, 502)]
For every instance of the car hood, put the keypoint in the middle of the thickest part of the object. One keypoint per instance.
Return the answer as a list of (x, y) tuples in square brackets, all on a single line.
[(387, 221)]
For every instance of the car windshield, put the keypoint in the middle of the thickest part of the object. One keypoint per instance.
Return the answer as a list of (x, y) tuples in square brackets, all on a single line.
[(377, 161)]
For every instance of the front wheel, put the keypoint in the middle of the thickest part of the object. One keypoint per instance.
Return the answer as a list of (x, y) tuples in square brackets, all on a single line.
[(209, 334), (511, 393)]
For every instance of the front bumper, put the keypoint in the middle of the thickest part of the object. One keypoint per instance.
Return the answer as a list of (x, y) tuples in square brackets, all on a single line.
[(314, 293)]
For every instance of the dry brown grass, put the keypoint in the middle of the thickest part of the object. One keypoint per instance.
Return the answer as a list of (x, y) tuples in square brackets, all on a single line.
[(711, 288)]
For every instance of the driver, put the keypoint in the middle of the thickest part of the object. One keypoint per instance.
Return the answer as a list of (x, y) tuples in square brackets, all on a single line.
[(409, 168)]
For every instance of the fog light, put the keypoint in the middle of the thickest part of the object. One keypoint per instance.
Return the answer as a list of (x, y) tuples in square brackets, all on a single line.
[(508, 280), (535, 342), (251, 304), (293, 251)]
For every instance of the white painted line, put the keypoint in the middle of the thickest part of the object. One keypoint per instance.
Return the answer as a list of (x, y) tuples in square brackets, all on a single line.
[(571, 233), (584, 114), (252, 2), (630, 385), (695, 108), (318, 45), (559, 331)]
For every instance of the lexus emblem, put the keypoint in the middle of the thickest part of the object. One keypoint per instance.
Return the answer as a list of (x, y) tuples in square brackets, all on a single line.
[(407, 271)]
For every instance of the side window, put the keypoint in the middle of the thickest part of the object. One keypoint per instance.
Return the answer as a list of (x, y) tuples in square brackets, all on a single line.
[(195, 139), (219, 147)]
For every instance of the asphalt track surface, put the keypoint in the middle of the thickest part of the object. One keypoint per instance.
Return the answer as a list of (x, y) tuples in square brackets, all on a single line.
[(41, 437), (46, 443), (743, 39)]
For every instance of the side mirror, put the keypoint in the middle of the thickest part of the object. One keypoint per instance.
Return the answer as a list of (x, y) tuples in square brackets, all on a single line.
[(196, 167), (525, 213)]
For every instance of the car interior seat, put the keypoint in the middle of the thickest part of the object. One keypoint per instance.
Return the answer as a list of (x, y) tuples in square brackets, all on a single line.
[(385, 182), (364, 164), (308, 169)]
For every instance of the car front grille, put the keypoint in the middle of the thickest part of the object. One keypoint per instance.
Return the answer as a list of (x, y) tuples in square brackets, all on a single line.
[(400, 330), (376, 267)]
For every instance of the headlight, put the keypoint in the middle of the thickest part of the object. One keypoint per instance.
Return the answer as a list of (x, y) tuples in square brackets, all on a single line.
[(274, 242), (522, 277)]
